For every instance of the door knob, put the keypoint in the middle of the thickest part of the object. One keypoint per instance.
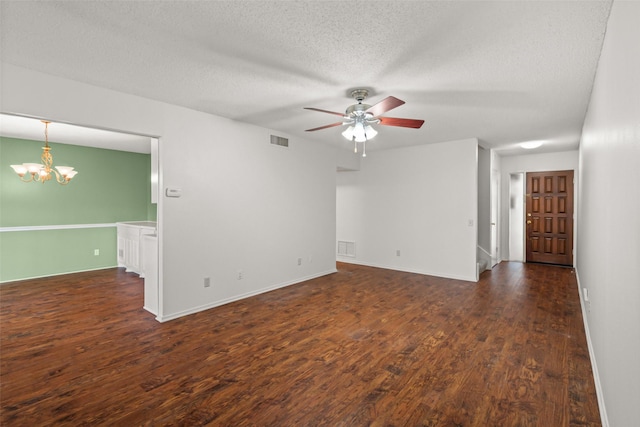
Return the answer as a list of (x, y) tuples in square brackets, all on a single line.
[(528, 221)]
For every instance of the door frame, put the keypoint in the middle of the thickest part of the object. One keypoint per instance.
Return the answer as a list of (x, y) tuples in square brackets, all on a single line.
[(571, 205)]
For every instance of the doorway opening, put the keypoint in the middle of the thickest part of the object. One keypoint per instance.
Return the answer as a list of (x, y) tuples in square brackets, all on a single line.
[(96, 228)]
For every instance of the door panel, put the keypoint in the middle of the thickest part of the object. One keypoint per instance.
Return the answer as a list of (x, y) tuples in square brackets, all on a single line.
[(549, 217)]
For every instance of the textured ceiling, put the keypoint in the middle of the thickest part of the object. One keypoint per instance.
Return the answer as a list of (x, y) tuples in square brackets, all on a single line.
[(503, 72)]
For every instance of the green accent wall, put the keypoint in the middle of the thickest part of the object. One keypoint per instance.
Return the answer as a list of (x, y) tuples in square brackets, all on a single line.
[(43, 253), (110, 186)]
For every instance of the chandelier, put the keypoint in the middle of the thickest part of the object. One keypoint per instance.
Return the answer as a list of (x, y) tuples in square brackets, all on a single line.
[(37, 172)]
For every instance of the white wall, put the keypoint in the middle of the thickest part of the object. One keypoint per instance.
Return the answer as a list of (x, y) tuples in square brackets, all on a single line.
[(484, 199), (347, 160), (608, 262), (418, 200), (566, 160), (246, 205), (516, 217), (496, 197)]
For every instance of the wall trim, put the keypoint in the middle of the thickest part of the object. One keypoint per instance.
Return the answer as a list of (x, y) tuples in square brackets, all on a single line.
[(165, 318), (54, 227), (594, 366), (56, 274)]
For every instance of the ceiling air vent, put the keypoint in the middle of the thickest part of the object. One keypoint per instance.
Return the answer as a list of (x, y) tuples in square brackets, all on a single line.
[(278, 140)]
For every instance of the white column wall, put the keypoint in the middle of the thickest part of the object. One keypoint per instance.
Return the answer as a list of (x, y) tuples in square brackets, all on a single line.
[(484, 199), (419, 200)]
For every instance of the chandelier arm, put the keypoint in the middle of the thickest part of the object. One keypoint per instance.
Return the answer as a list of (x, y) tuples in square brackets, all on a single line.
[(61, 179)]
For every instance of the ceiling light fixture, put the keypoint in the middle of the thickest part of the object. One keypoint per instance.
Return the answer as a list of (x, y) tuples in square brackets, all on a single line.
[(359, 122), (359, 118), (531, 145), (360, 131), (42, 172)]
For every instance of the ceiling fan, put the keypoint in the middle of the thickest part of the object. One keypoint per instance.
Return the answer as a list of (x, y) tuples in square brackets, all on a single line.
[(359, 117)]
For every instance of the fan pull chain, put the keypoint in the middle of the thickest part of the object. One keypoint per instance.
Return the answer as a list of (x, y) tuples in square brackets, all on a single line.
[(364, 148), (355, 145)]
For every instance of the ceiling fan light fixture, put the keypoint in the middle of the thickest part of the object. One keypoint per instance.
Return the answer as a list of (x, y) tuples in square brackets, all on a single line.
[(359, 117), (370, 132), (359, 132), (348, 133)]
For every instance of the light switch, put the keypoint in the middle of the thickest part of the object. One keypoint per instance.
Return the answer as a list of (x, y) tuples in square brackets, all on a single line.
[(173, 192)]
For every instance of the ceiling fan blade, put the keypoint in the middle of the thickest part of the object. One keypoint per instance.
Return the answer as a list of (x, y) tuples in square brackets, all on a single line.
[(405, 123), (324, 111), (387, 104), (325, 127)]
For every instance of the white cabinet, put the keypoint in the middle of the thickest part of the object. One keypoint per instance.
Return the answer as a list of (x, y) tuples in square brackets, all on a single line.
[(130, 249)]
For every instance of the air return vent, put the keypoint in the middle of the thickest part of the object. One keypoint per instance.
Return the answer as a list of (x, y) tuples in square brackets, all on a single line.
[(347, 248), (278, 140)]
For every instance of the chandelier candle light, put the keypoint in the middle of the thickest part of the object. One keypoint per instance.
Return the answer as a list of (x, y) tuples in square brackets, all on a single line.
[(42, 172)]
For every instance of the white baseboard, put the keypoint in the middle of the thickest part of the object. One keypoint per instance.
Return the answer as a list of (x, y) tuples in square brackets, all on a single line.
[(56, 274), (172, 316), (592, 356)]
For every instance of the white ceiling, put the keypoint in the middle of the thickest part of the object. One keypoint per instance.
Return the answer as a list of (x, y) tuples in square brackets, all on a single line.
[(502, 71)]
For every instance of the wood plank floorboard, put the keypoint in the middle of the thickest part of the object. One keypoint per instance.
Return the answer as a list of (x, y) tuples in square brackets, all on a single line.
[(361, 347)]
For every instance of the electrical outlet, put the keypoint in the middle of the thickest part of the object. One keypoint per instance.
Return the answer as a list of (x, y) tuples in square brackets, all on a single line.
[(207, 282), (240, 275), (96, 252), (398, 252), (587, 301), (299, 261)]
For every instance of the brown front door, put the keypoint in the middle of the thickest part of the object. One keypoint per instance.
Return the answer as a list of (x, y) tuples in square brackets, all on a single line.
[(549, 217)]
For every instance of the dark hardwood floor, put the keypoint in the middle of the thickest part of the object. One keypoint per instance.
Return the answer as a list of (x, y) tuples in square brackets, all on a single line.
[(362, 347)]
